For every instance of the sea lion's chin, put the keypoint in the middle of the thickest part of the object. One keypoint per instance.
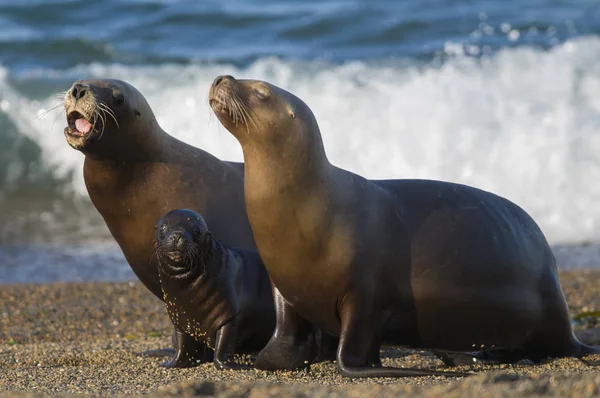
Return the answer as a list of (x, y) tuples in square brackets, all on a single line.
[(175, 260), (79, 131), (225, 102), (221, 110), (174, 266), (218, 107)]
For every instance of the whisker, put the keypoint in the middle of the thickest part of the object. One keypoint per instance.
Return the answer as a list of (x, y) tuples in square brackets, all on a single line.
[(156, 254), (45, 112), (242, 112), (95, 118), (103, 124), (103, 112), (210, 110), (61, 94), (157, 250), (98, 115), (238, 112), (110, 112), (250, 117), (56, 117), (211, 115)]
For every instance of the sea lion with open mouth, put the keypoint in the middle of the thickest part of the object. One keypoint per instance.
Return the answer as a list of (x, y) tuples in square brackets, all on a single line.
[(135, 172), (418, 263)]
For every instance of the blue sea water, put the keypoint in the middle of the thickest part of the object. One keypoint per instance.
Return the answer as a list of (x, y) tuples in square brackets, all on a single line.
[(500, 94)]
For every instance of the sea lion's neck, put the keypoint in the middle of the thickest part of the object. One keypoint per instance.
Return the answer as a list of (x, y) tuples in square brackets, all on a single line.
[(287, 193), (215, 259), (283, 169), (131, 146), (160, 147)]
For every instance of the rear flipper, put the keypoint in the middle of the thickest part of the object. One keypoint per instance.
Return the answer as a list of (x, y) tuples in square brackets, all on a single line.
[(585, 349), (504, 356), (578, 350), (359, 345)]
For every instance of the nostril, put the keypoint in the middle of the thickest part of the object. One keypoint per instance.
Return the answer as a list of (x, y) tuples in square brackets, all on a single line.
[(78, 91), (176, 240)]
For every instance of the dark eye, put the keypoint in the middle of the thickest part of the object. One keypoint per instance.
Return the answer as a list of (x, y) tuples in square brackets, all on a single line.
[(162, 230), (197, 231), (118, 98)]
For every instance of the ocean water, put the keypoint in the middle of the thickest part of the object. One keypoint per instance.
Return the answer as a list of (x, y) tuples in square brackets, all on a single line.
[(500, 94)]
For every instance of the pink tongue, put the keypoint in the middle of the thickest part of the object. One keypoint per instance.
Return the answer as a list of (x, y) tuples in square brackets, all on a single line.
[(83, 126)]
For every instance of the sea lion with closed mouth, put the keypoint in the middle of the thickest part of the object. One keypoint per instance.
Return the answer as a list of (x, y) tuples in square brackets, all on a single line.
[(135, 172), (218, 295), (418, 263)]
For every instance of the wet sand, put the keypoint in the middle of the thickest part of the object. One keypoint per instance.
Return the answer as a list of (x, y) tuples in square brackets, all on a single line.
[(87, 338)]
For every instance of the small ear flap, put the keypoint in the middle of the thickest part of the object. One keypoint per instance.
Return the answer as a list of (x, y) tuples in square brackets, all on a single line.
[(292, 115), (137, 113)]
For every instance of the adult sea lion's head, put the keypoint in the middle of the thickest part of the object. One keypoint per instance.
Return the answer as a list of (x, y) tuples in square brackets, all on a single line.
[(261, 113), (182, 241), (107, 118)]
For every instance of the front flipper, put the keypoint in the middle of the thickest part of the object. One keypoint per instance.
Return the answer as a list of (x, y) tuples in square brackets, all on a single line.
[(292, 345), (160, 353), (188, 352), (164, 352), (358, 340), (225, 345)]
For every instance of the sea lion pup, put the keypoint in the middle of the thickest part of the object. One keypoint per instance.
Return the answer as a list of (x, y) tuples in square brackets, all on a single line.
[(218, 295), (419, 263), (135, 172)]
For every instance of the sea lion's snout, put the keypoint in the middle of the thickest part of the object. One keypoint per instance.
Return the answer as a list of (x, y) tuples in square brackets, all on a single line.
[(81, 110), (180, 234), (176, 244), (220, 91), (228, 99), (79, 90), (177, 240), (222, 78)]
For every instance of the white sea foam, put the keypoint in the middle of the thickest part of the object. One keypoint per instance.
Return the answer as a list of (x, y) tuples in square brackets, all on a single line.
[(524, 123)]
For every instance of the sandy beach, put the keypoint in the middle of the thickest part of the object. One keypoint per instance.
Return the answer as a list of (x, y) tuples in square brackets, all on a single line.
[(86, 338)]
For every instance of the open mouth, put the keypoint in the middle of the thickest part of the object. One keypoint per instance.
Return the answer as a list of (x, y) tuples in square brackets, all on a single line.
[(79, 126), (174, 255)]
